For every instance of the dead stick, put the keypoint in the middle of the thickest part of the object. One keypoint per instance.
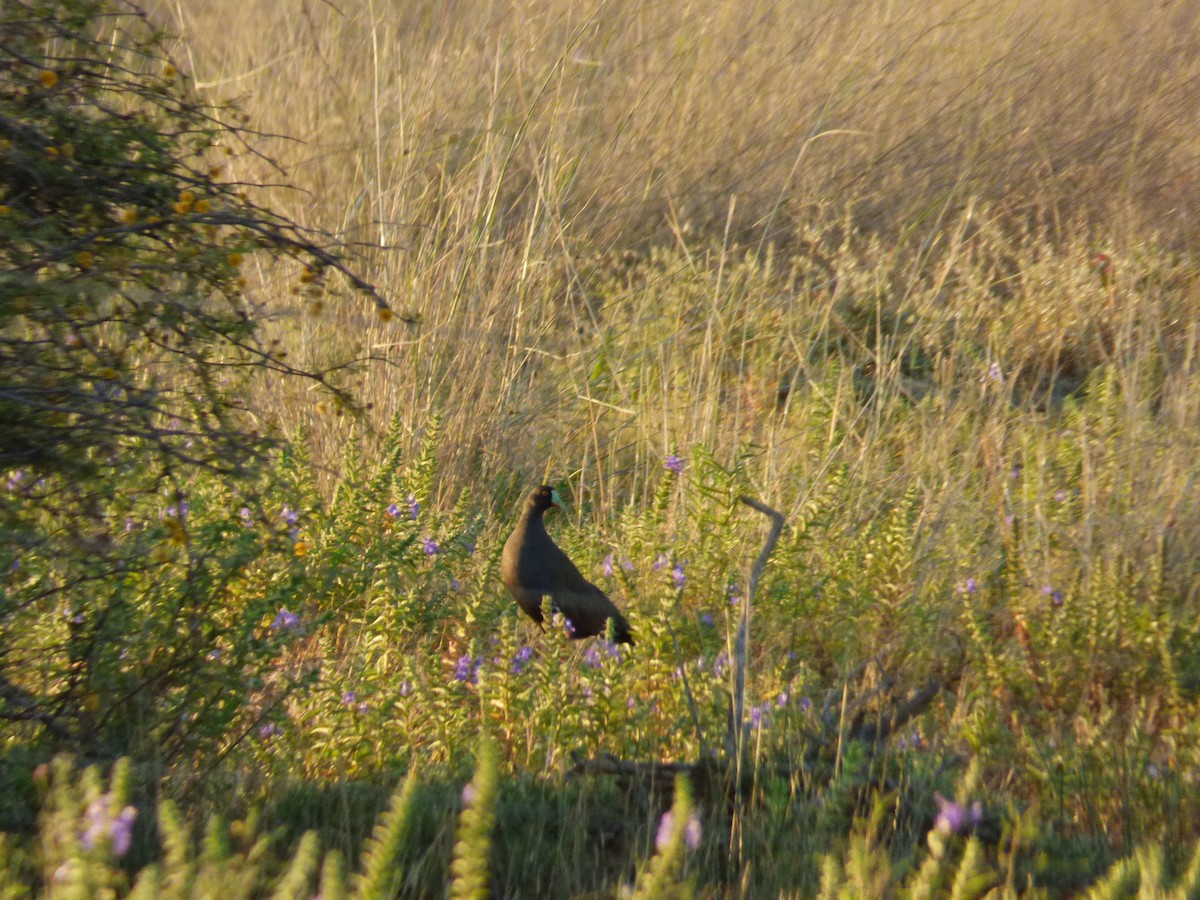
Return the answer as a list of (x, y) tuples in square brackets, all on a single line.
[(738, 705)]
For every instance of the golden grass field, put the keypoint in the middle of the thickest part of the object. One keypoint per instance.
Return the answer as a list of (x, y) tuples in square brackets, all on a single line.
[(624, 225)]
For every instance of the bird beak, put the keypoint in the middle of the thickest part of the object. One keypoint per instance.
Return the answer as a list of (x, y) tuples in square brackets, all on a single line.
[(555, 499)]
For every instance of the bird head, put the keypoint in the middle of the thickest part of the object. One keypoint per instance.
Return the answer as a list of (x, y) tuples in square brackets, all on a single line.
[(545, 497)]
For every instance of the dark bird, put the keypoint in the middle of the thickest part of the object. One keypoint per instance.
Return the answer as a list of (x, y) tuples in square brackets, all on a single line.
[(533, 566)]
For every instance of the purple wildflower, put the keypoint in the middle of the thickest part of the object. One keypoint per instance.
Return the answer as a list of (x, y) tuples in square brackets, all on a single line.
[(118, 828), (630, 703), (719, 664), (677, 575), (430, 547), (348, 697), (122, 830), (994, 374), (285, 620), (246, 516), (805, 704), (706, 620), (735, 595), (405, 688), (97, 819), (608, 566), (661, 562), (414, 508), (956, 818), (521, 659), (970, 586), (591, 658), (469, 792), (466, 669), (15, 479), (626, 563), (666, 826), (782, 699), (269, 730), (393, 509), (362, 708), (1055, 595), (675, 463), (1060, 496), (455, 584), (290, 515), (692, 831)]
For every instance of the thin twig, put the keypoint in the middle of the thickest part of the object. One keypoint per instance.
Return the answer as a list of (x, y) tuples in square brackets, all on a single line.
[(738, 702)]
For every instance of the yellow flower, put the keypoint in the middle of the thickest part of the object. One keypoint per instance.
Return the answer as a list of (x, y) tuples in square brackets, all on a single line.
[(52, 152), (202, 206), (301, 548), (307, 275), (48, 78), (129, 215), (385, 314), (169, 71), (322, 408), (85, 259), (235, 259), (186, 201)]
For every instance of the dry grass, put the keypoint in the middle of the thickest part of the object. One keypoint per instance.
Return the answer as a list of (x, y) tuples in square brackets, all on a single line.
[(625, 224)]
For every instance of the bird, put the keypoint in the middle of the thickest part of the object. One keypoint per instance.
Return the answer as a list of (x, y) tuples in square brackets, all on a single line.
[(532, 566)]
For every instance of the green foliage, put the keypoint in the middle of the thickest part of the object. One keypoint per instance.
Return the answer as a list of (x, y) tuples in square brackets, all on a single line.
[(661, 875), (139, 524), (380, 877), (469, 870)]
